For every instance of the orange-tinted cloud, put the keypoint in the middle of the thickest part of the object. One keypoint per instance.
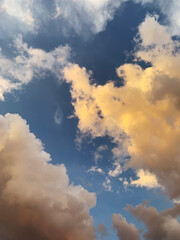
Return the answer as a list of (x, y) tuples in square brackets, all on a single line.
[(142, 117)]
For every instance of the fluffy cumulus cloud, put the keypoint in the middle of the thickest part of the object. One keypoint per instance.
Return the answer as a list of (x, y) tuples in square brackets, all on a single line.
[(142, 117), (36, 199), (29, 63), (159, 225)]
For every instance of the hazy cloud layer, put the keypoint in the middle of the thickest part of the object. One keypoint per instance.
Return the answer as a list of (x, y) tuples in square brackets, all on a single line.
[(29, 63), (143, 116), (36, 199)]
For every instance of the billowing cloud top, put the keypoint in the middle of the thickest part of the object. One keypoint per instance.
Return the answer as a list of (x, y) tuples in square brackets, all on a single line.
[(37, 201)]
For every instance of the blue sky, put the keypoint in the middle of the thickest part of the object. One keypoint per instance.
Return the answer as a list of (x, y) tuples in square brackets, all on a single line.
[(97, 82)]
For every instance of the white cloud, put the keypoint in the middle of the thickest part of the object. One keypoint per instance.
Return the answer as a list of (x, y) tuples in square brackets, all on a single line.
[(20, 9), (80, 16), (107, 185), (87, 14), (95, 169), (28, 64), (171, 9), (117, 171), (37, 201)]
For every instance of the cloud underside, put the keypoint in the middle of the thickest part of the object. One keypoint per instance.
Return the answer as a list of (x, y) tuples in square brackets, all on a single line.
[(160, 225), (142, 117), (36, 199)]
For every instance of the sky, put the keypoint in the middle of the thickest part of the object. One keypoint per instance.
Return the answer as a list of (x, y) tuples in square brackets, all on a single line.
[(89, 120)]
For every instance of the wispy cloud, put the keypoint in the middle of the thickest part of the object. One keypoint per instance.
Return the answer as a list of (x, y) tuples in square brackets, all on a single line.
[(95, 169), (107, 185), (117, 171), (58, 116), (28, 64)]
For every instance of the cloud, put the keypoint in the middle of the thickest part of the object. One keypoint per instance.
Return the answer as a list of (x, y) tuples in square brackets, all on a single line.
[(16, 16), (29, 63), (160, 225), (142, 117), (95, 169), (107, 185), (37, 201), (117, 171), (98, 154), (171, 9), (124, 229), (101, 229), (58, 116), (19, 9), (82, 16), (145, 179)]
